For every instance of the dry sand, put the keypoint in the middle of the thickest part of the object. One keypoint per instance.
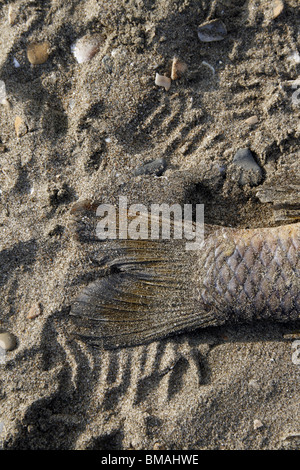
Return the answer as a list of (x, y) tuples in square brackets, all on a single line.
[(89, 127)]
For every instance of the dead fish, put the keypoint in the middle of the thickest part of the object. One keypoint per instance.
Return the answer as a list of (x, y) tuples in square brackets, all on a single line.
[(148, 289)]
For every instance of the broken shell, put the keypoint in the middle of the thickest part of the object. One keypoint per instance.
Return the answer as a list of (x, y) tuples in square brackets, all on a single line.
[(210, 31), (178, 68), (209, 66), (38, 52), (162, 80), (251, 121), (20, 127), (278, 7), (85, 48)]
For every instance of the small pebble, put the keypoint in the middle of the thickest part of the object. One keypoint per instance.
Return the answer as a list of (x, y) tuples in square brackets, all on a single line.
[(38, 52), (85, 48), (2, 148), (7, 341), (210, 31), (156, 167), (278, 7), (34, 311), (257, 424), (161, 80), (20, 127), (251, 172)]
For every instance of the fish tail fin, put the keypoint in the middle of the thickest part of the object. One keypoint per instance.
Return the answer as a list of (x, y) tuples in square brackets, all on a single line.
[(149, 292), (285, 200)]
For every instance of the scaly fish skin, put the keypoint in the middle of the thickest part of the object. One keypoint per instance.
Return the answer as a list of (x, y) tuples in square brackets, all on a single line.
[(252, 273)]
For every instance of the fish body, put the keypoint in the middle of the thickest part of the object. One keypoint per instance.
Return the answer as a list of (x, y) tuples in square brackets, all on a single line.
[(149, 289)]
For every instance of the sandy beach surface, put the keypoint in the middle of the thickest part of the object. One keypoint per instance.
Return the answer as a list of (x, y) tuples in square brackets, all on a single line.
[(73, 131)]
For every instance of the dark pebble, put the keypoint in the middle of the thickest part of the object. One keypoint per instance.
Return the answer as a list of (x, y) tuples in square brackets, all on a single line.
[(156, 167), (210, 31)]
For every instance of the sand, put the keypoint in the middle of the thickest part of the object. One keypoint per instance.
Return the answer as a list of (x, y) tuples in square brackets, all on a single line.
[(87, 128)]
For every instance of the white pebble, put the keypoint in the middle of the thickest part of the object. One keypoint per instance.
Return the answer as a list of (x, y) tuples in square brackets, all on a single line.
[(85, 48), (295, 57), (161, 80), (16, 63)]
